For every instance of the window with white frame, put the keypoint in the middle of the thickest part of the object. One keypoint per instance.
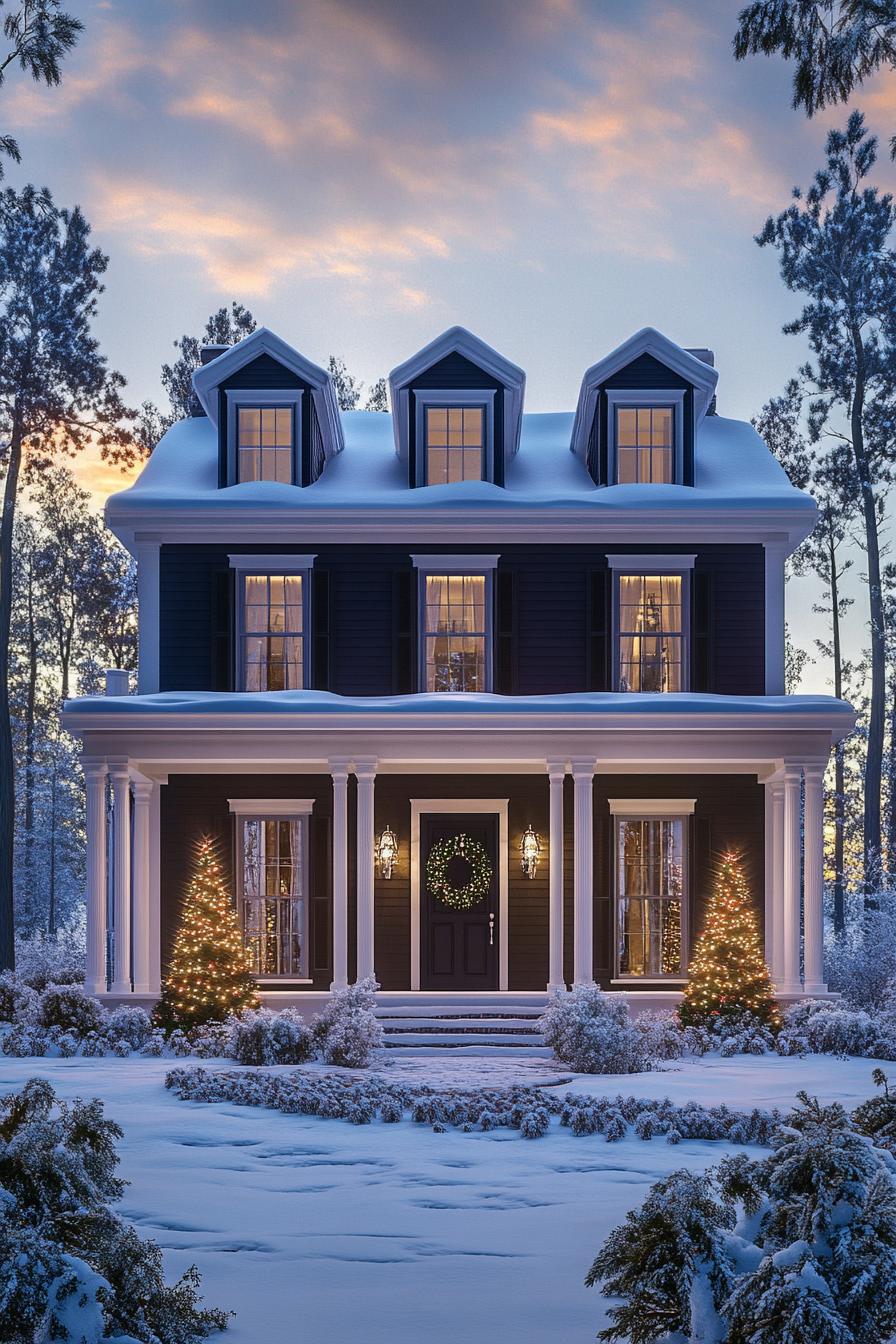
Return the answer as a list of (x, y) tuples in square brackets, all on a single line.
[(650, 893), (651, 625), (272, 879), (454, 444), (265, 443), (645, 445), (272, 626)]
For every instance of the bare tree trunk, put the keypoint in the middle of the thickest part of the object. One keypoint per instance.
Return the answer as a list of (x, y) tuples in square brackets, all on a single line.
[(51, 912), (30, 706), (7, 764), (875, 748), (890, 822), (839, 771)]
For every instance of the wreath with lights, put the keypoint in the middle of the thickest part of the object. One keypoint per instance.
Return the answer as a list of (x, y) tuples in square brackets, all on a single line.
[(480, 880)]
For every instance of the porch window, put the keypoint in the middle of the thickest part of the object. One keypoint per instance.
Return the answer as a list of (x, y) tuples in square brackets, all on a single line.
[(645, 445), (264, 442), (455, 443), (272, 632), (650, 896), (456, 653), (273, 894), (651, 632)]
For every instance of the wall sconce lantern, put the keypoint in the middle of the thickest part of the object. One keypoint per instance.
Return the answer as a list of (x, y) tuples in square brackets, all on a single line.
[(387, 852), (530, 852)]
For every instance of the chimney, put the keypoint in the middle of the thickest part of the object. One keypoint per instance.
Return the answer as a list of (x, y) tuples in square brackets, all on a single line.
[(209, 352), (117, 681), (705, 357)]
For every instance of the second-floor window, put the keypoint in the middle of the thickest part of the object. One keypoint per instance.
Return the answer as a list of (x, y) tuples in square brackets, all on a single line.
[(272, 632), (651, 633), (265, 440), (456, 642), (645, 445), (455, 443)]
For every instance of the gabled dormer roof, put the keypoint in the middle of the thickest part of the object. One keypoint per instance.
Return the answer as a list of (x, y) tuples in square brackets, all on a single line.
[(648, 341), (457, 340), (208, 378)]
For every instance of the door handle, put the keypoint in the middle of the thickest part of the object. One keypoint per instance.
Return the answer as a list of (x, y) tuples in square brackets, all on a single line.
[(491, 930)]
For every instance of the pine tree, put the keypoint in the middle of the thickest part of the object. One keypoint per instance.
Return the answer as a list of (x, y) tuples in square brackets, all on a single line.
[(210, 975), (728, 974)]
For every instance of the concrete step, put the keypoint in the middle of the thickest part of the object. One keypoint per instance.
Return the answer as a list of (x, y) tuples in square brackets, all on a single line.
[(458, 1041), (395, 1026)]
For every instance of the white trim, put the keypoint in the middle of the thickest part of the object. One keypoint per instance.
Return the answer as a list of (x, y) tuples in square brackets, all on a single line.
[(271, 808), (423, 636), (775, 578), (455, 564), (651, 564), (147, 553), (272, 564), (652, 807), (483, 398), (653, 398), (487, 806), (240, 396)]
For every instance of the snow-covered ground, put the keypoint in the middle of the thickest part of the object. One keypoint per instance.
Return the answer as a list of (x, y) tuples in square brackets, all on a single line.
[(316, 1229)]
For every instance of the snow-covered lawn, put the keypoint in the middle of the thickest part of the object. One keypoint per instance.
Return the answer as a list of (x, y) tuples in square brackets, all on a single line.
[(317, 1229)]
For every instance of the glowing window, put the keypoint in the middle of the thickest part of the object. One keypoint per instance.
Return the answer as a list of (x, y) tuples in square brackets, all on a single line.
[(455, 442), (650, 885), (265, 437), (645, 448), (651, 636)]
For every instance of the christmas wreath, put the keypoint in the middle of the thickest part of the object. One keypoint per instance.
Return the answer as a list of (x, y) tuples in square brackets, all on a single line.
[(442, 857)]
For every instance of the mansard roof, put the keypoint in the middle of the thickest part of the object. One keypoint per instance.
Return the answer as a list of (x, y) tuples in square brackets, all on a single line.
[(648, 341), (262, 341), (457, 340)]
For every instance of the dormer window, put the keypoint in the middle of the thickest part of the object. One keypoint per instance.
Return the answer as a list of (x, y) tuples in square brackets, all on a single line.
[(264, 435), (455, 442), (645, 436)]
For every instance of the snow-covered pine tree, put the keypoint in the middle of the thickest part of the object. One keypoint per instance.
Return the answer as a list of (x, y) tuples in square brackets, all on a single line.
[(728, 975), (210, 975)]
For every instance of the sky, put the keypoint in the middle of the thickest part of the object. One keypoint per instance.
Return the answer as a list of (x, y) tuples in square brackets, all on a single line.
[(362, 174)]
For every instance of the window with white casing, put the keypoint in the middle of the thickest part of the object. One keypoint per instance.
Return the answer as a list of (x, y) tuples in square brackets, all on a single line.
[(645, 430), (651, 622), (263, 435), (454, 432), (272, 885), (650, 891), (455, 624), (272, 623)]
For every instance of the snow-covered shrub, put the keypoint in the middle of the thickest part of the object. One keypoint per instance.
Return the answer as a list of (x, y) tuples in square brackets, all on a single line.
[(155, 1044), (212, 1040), (823, 1026), (663, 1035), (18, 1001), (347, 1031), (264, 1037), (861, 964), (876, 1117), (24, 1041), (797, 1246), (52, 959), (68, 1007), (70, 1268), (590, 1032), (130, 1024)]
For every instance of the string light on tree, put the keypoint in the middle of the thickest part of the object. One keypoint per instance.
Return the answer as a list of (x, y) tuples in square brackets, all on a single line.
[(728, 974), (210, 974)]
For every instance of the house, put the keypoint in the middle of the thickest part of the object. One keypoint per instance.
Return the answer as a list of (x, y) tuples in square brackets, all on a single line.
[(472, 698)]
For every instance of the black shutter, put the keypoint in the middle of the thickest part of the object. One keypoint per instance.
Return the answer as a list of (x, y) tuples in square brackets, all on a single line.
[(320, 630), (701, 632), (505, 632), (404, 644), (599, 631), (222, 623), (321, 869)]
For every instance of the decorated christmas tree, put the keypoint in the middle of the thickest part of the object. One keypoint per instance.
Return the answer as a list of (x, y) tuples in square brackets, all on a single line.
[(210, 973), (728, 974)]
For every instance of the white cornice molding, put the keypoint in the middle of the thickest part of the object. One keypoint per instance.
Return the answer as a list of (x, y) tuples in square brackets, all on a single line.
[(455, 563), (270, 564), (642, 563), (651, 807), (271, 807)]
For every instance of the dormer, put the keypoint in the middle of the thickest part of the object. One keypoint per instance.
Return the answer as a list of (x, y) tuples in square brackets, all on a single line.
[(275, 412), (457, 410), (639, 410)]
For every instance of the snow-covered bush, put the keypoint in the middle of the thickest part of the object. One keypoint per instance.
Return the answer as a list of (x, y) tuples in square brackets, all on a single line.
[(861, 964), (347, 1031), (210, 1041), (797, 1246), (70, 1269), (68, 1007), (824, 1026), (130, 1024), (590, 1032), (662, 1033), (876, 1117), (264, 1037), (18, 1001), (52, 959)]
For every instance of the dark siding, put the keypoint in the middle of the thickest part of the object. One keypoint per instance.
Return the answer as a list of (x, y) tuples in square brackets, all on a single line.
[(554, 631), (265, 372), (458, 372)]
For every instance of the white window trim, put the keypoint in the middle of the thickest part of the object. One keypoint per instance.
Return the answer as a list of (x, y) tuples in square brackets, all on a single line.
[(276, 809), (266, 396), (487, 572), (494, 806), (483, 397), (646, 809), (639, 571), (455, 564), (654, 397), (267, 566), (651, 564)]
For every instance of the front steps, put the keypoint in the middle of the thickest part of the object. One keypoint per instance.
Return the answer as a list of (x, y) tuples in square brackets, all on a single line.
[(462, 1023)]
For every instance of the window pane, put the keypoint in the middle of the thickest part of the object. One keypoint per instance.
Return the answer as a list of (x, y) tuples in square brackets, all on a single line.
[(454, 632), (265, 443), (651, 633), (644, 445), (649, 895), (459, 430), (273, 619), (273, 895)]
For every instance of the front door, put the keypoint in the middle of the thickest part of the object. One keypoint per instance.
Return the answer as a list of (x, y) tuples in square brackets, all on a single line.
[(459, 906)]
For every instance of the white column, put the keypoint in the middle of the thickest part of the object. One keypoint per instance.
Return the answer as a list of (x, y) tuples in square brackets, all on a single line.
[(155, 890), (142, 818), (556, 776), (583, 871), (147, 550), (775, 558), (339, 772), (813, 879), (366, 775), (97, 889), (790, 982), (121, 875), (777, 963)]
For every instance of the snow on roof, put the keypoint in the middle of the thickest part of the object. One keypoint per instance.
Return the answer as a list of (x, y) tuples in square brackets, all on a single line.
[(734, 472)]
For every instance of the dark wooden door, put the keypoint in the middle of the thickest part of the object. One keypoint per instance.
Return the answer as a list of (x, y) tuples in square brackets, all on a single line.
[(460, 947)]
